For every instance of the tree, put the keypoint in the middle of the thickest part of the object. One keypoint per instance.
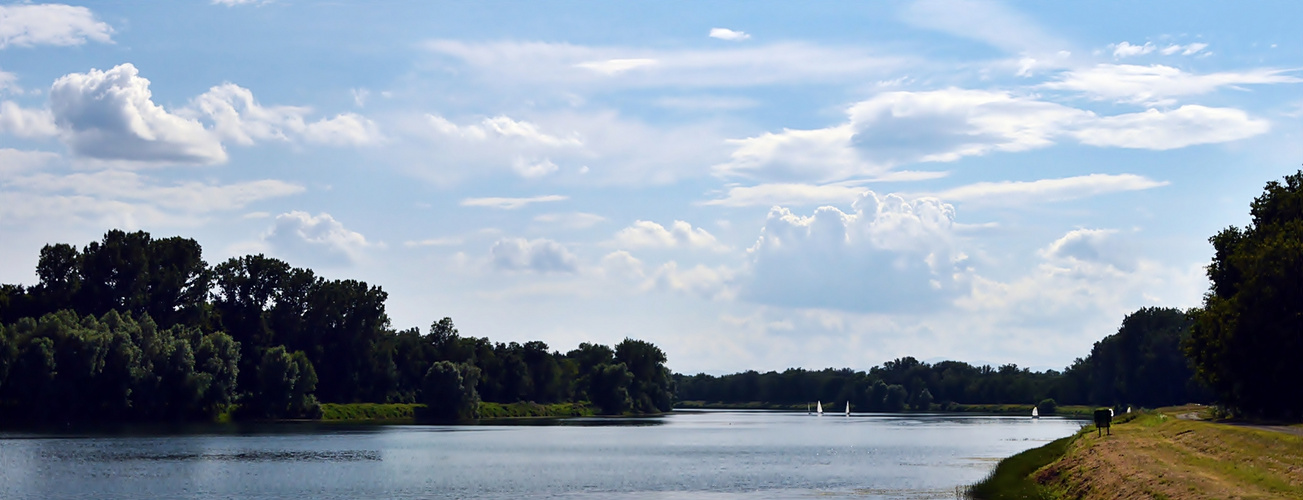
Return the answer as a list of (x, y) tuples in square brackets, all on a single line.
[(1246, 340), (895, 400), (651, 389), (1047, 407), (448, 391), (924, 400), (285, 385), (609, 388)]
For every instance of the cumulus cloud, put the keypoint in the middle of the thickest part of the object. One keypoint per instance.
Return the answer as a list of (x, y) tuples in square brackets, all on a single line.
[(318, 238), (539, 255), (511, 203), (897, 128), (728, 34), (239, 118), (24, 122), (1158, 84), (1044, 190), (680, 234), (889, 254), (109, 115), (1090, 245), (50, 24)]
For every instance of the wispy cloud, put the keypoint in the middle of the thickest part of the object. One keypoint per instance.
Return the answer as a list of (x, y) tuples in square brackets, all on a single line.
[(511, 203), (728, 34)]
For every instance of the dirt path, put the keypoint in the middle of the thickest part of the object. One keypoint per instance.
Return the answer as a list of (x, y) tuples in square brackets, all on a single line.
[(1158, 456), (1297, 431)]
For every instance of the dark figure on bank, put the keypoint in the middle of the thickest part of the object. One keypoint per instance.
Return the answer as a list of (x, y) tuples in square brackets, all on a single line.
[(1103, 418)]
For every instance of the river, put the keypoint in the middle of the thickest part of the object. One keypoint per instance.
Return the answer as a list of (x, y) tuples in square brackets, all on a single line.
[(686, 454)]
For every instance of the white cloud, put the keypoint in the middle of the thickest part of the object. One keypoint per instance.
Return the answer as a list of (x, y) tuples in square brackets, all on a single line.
[(573, 220), (987, 21), (109, 115), (533, 169), (24, 122), (898, 128), (533, 63), (1125, 49), (239, 118), (1044, 190), (789, 194), (511, 203), (615, 66), (716, 283), (728, 34), (50, 24), (1185, 50), (1090, 245), (539, 255), (1161, 130), (14, 161), (127, 198), (890, 254), (318, 238), (433, 242), (1158, 84), (503, 127), (647, 234)]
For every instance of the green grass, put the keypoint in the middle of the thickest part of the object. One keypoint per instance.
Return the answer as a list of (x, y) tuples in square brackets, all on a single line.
[(1012, 479), (530, 410), (369, 412)]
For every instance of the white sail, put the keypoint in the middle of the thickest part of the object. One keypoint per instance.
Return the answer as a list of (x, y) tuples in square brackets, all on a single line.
[(1036, 413), (848, 408), (818, 407)]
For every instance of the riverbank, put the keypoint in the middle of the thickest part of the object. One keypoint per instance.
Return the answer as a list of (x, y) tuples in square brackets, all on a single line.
[(411, 413), (1155, 455), (992, 409)]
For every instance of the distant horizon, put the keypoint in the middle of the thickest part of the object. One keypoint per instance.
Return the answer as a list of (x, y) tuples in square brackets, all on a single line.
[(785, 185)]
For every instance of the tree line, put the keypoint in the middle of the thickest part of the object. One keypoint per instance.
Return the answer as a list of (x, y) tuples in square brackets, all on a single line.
[(175, 338), (1141, 364)]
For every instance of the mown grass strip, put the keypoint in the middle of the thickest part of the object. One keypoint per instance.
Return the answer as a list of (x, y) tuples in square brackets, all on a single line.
[(1012, 479), (531, 410), (369, 412)]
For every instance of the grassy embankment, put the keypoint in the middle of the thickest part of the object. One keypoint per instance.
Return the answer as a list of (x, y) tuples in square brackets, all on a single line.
[(1003, 409), (1155, 455), (406, 413)]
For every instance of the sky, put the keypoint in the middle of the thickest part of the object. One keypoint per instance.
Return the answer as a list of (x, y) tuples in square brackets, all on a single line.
[(756, 185)]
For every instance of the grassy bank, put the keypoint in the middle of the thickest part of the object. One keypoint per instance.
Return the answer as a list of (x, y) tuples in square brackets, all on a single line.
[(529, 410), (408, 413), (369, 412), (1155, 455)]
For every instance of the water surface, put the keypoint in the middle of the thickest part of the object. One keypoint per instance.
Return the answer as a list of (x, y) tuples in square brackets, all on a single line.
[(701, 454)]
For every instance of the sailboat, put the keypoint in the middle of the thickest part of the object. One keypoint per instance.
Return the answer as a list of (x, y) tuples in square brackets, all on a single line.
[(818, 407), (848, 408), (1036, 413)]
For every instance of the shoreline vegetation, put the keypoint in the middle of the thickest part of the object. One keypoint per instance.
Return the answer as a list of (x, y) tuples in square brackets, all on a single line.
[(990, 409), (1172, 452)]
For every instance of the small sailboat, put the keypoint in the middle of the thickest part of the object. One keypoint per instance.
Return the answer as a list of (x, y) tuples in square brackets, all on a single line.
[(1036, 412), (848, 408), (807, 409), (1128, 409), (818, 407)]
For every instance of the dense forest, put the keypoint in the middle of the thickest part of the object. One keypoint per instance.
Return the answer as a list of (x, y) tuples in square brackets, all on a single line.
[(137, 328)]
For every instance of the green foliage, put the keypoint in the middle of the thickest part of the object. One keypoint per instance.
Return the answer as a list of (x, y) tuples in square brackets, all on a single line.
[(533, 410), (1047, 406), (370, 412), (609, 388), (286, 381), (895, 400), (67, 367), (651, 389), (1140, 364), (923, 401), (1245, 343), (448, 391)]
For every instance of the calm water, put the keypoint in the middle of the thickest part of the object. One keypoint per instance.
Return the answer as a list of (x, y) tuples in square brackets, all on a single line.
[(721, 455)]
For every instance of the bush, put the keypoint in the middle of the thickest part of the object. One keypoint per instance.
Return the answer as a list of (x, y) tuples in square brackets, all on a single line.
[(1047, 406)]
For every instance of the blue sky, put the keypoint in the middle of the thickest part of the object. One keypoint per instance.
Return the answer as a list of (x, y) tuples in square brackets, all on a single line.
[(789, 184)]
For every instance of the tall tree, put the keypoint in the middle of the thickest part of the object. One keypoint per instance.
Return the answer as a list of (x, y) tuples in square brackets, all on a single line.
[(1247, 340)]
